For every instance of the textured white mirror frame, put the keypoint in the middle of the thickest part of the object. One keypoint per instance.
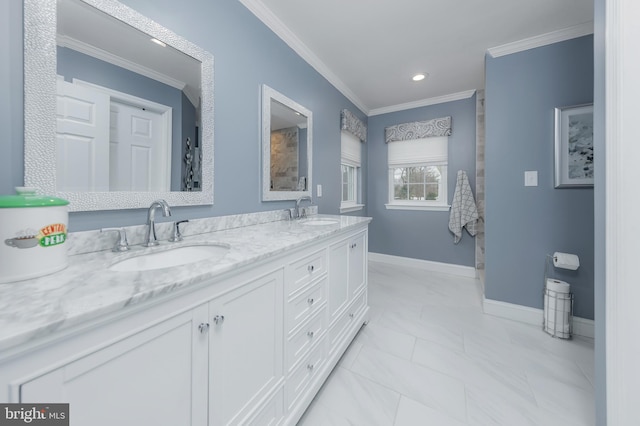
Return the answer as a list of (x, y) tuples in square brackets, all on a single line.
[(40, 109), (267, 194)]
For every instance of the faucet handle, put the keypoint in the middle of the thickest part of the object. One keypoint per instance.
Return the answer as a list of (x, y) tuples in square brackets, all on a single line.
[(176, 235), (122, 244)]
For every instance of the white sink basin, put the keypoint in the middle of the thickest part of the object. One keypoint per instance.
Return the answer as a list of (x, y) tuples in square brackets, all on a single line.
[(319, 221), (177, 256)]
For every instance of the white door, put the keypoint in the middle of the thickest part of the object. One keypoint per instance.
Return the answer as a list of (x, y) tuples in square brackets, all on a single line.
[(138, 149), (82, 139)]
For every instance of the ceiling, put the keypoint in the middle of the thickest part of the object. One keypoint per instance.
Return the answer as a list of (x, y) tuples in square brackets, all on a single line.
[(370, 49)]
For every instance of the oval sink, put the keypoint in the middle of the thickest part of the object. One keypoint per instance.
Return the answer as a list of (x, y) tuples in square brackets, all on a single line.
[(320, 221), (178, 256)]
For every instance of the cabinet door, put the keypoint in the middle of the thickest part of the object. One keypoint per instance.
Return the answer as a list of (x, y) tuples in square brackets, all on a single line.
[(338, 297), (246, 348), (357, 264), (156, 376)]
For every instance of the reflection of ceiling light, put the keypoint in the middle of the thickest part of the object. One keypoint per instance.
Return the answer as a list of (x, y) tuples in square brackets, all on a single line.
[(419, 77), (158, 42)]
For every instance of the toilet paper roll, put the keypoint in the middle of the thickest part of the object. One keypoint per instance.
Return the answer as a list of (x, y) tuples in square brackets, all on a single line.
[(566, 261), (558, 286)]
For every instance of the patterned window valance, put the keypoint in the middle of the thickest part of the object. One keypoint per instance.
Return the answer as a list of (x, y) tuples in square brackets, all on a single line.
[(351, 123), (418, 130)]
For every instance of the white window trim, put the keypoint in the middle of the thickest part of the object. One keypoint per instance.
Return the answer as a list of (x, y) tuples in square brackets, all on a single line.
[(347, 206), (415, 206)]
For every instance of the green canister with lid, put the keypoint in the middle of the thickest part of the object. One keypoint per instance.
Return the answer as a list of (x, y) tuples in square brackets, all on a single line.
[(33, 233)]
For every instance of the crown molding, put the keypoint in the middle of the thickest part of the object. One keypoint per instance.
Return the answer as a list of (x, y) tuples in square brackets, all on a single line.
[(105, 56), (424, 102), (268, 18), (542, 40)]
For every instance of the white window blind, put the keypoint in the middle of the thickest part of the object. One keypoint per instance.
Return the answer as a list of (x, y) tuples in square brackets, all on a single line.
[(351, 149), (431, 150)]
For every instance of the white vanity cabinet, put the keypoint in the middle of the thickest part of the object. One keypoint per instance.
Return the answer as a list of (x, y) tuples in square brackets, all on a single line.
[(250, 347), (151, 377), (245, 353)]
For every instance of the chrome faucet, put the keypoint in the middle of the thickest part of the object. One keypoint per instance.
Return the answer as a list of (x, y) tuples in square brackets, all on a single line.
[(297, 213), (151, 239)]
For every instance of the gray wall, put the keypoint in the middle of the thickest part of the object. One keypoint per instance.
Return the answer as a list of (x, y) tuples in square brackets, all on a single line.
[(599, 214), (247, 55), (524, 224), (421, 234)]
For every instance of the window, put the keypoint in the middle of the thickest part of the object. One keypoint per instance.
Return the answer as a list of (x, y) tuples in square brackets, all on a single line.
[(418, 174), (350, 160)]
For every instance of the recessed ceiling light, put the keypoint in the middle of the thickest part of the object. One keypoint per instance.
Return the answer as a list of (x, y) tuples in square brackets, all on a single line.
[(419, 77), (158, 42)]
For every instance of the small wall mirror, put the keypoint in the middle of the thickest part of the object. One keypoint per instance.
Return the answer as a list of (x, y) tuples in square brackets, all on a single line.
[(287, 129), (119, 108)]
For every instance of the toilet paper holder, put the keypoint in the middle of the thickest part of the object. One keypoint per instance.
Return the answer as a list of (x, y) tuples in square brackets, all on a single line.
[(558, 304)]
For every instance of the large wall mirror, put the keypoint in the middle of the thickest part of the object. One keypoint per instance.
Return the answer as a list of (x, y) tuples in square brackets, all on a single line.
[(118, 109), (287, 129)]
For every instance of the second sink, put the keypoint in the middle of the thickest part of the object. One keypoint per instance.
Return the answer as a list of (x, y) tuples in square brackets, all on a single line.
[(171, 257)]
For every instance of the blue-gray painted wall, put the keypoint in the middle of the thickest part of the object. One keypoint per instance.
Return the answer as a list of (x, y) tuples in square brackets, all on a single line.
[(524, 224), (247, 54), (421, 234)]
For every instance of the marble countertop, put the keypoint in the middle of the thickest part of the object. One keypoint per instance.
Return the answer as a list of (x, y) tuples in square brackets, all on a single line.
[(87, 289)]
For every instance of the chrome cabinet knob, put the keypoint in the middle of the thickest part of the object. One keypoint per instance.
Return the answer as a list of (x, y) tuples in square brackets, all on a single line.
[(218, 319), (204, 327), (310, 268), (310, 334), (351, 315), (310, 301), (354, 245), (310, 367)]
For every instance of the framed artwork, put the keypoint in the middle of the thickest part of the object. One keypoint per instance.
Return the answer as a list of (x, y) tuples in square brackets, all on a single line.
[(574, 146)]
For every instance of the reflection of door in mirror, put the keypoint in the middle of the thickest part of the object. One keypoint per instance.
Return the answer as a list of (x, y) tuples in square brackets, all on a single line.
[(109, 141)]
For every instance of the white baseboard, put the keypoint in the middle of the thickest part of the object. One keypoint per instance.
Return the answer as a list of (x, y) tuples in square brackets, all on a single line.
[(534, 316), (428, 265)]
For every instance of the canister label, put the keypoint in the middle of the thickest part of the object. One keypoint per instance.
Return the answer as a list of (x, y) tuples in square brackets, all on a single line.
[(52, 235), (49, 236)]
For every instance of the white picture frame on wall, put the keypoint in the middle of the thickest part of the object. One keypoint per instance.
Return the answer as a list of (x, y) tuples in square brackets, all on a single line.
[(574, 146)]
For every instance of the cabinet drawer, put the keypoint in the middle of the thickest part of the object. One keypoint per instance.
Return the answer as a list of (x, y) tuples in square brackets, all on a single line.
[(300, 343), (306, 304), (305, 270), (344, 324), (304, 374)]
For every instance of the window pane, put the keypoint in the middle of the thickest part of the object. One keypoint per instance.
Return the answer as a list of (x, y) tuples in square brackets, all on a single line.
[(416, 191), (432, 191), (349, 183), (416, 174)]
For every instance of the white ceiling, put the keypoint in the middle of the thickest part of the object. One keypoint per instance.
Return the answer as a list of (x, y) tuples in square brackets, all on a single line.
[(370, 49)]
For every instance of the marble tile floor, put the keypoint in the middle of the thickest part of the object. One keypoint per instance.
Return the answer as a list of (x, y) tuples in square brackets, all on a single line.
[(430, 356)]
